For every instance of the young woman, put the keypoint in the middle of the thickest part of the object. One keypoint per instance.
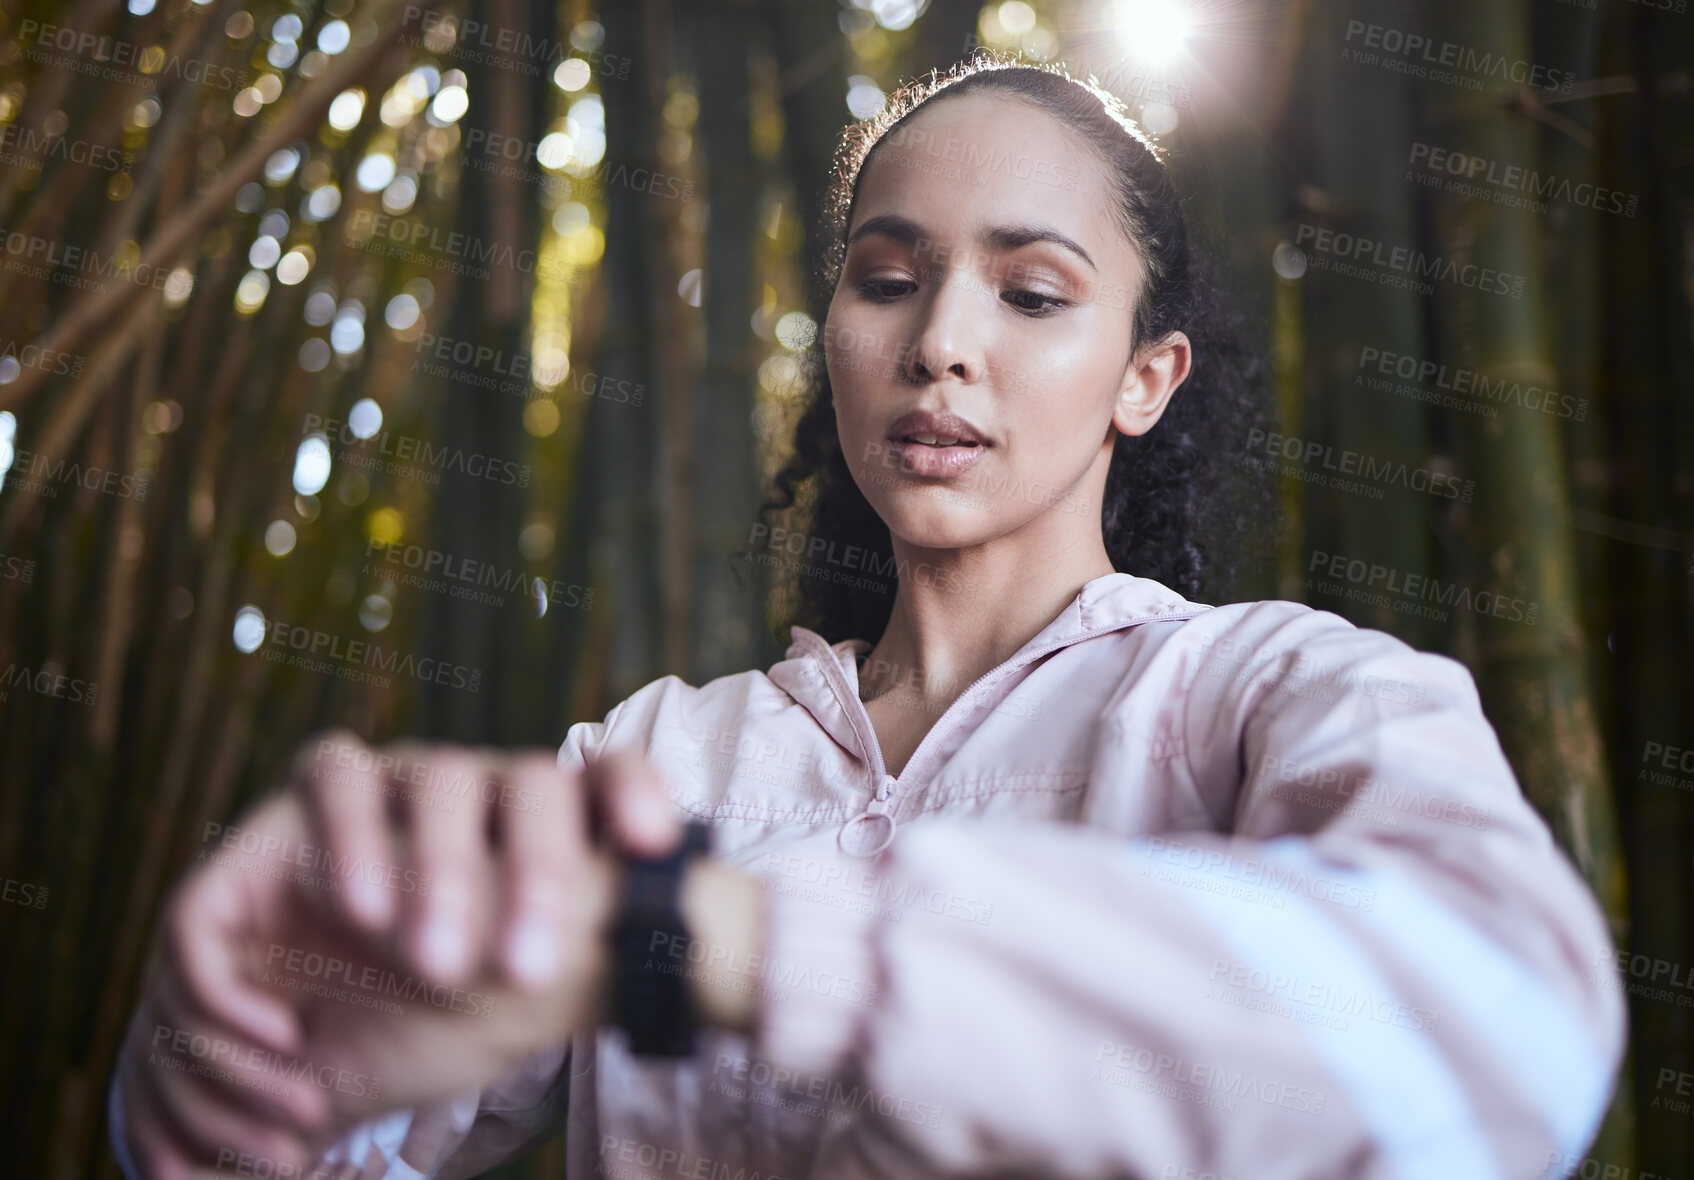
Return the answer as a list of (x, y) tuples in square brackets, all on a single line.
[(1032, 866)]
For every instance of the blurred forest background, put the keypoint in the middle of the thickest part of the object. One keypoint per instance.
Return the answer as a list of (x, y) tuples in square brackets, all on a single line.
[(470, 332)]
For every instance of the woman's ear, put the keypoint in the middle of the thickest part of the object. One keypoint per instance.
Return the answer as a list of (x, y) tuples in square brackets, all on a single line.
[(1153, 375)]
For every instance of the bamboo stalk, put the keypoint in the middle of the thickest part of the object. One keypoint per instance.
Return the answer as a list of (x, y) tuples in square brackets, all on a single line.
[(72, 413), (1647, 442), (48, 89), (621, 442), (196, 698), (121, 566), (1533, 678), (85, 316), (726, 617)]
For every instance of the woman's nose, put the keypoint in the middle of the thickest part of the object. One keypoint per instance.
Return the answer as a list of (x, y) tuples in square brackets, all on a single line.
[(948, 337)]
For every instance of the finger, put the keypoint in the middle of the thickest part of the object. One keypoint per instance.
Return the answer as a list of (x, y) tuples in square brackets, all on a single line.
[(343, 781), (542, 844), (448, 849), (210, 1130), (630, 803), (203, 929), (153, 1143), (178, 1042), (181, 1120)]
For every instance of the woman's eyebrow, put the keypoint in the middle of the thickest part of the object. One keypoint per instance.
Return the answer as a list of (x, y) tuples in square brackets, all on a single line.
[(1010, 237), (891, 225), (1001, 237)]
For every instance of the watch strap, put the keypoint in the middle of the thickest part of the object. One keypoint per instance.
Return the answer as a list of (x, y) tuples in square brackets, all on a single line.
[(654, 1004)]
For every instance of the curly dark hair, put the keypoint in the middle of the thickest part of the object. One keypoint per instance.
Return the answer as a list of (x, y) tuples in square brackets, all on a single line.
[(1180, 506)]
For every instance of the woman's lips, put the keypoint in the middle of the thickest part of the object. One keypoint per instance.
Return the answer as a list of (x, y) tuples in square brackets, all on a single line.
[(935, 462)]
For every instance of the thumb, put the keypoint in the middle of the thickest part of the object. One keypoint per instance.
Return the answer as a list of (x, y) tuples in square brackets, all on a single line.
[(633, 806)]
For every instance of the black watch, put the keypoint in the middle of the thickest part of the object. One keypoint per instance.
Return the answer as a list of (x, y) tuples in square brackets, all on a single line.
[(653, 1003)]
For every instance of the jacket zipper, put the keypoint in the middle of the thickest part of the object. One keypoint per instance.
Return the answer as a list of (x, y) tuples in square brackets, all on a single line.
[(869, 832)]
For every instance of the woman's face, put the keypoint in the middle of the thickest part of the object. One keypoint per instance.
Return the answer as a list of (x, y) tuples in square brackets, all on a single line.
[(986, 297)]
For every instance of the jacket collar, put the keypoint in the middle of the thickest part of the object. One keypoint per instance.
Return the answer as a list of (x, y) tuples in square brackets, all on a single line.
[(823, 677)]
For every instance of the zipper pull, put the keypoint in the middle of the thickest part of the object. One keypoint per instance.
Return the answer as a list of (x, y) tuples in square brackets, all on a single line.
[(868, 834)]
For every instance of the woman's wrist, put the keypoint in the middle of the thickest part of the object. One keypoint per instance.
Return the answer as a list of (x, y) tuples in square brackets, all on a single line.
[(724, 909)]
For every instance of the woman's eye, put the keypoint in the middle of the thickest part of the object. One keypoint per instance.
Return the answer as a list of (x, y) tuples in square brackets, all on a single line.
[(886, 290), (1033, 302)]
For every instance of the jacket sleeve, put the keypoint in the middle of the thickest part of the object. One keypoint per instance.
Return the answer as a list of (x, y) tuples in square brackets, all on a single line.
[(1377, 964), (457, 1137)]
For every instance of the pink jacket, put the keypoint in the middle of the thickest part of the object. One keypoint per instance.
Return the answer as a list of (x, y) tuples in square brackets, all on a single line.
[(1176, 891)]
